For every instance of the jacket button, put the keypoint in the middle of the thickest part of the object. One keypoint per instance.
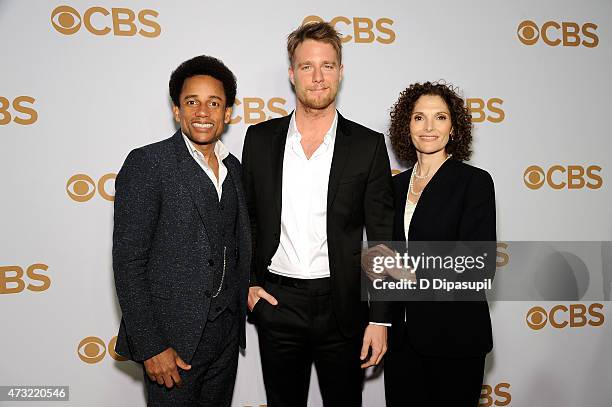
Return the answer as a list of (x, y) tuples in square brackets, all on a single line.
[(207, 294), (211, 262)]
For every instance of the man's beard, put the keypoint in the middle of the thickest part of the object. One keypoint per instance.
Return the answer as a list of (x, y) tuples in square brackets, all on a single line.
[(317, 103)]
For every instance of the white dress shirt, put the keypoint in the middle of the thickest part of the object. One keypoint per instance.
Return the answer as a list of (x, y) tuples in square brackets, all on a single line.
[(302, 251), (221, 152)]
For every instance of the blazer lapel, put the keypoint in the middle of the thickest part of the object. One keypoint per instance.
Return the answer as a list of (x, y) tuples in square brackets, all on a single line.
[(243, 227), (339, 160), (431, 192), (400, 207), (236, 176), (277, 153), (192, 176)]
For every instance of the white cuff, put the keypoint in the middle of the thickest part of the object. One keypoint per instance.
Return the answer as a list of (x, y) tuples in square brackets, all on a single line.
[(388, 325)]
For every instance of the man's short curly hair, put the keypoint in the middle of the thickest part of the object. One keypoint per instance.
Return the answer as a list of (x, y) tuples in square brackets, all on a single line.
[(203, 65), (399, 131)]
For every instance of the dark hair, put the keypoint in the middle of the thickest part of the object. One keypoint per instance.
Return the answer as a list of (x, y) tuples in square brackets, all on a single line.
[(203, 65), (318, 31), (401, 112)]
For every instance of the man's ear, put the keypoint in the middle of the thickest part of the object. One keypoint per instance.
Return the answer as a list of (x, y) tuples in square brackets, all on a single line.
[(176, 111), (228, 115), (291, 75)]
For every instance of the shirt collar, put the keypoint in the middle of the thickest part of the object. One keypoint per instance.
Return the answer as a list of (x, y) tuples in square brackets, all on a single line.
[(328, 138), (220, 150)]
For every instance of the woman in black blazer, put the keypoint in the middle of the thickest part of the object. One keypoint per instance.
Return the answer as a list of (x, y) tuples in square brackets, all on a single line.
[(437, 349)]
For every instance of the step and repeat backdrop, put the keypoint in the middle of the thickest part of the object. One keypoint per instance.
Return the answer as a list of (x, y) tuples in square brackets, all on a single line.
[(85, 82)]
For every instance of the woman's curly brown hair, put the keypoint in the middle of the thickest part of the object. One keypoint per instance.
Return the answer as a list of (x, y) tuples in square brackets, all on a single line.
[(401, 112)]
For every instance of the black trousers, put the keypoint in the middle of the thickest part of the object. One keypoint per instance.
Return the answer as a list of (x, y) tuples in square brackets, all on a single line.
[(299, 331), (210, 381), (415, 380)]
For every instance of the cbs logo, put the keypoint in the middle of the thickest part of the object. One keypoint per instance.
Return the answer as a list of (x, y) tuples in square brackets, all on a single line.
[(92, 350), (256, 110), (561, 316), (12, 279), (365, 30), (570, 177), (121, 23), (489, 110), (81, 187), (495, 396), (20, 105), (554, 34)]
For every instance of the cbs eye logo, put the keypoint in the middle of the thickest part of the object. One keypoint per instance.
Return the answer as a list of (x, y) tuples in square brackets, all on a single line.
[(560, 177), (12, 280), (20, 105), (81, 187), (489, 110), (364, 30), (495, 396), (92, 350), (256, 110), (553, 34), (561, 316), (67, 20)]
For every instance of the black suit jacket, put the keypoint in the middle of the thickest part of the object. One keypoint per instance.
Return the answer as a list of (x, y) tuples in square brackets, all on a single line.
[(458, 204), (162, 254), (359, 194)]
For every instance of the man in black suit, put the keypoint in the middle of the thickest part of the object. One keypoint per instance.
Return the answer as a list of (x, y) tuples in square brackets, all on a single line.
[(182, 248), (313, 180)]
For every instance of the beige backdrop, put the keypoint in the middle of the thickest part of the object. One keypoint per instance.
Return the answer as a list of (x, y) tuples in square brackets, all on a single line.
[(85, 82)]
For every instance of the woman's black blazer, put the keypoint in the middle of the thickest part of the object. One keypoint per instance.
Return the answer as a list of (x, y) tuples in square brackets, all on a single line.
[(458, 204)]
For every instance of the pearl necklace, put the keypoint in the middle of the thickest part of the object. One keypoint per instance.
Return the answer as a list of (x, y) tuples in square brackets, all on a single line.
[(420, 176), (413, 175)]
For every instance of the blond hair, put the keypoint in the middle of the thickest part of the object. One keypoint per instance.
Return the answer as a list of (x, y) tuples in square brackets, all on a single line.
[(317, 31)]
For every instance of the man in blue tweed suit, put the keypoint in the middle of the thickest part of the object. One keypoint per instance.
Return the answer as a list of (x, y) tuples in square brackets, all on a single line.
[(182, 247)]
